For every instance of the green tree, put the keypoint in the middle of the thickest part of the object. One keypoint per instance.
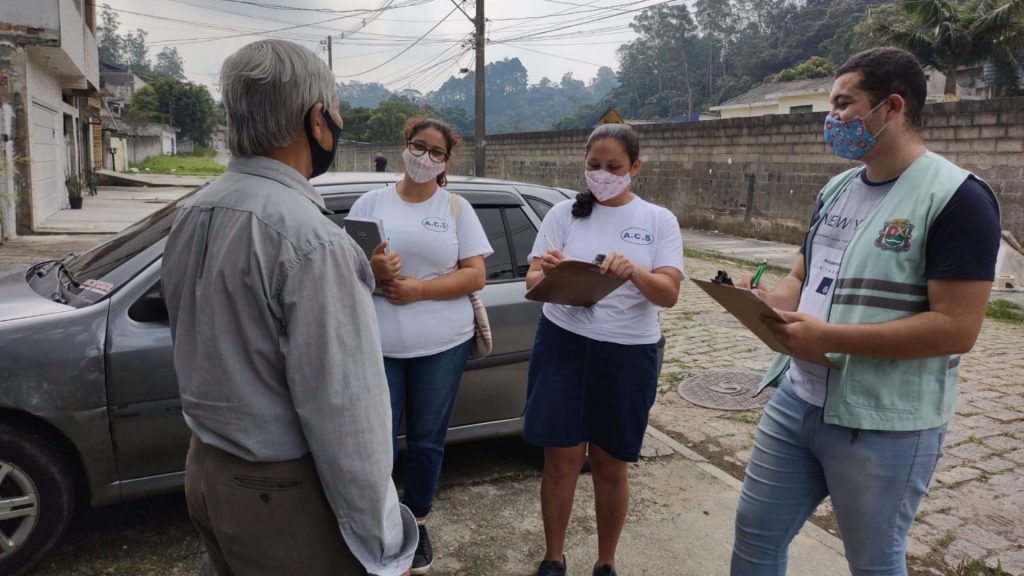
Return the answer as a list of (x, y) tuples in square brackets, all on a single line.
[(387, 121), (359, 94), (188, 107), (1001, 26), (356, 123), (574, 89), (662, 70), (170, 63), (718, 20), (144, 107), (110, 44), (603, 82), (813, 67), (950, 34), (457, 118), (194, 112), (137, 53)]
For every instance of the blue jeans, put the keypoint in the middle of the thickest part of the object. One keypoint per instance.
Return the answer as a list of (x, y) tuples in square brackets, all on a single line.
[(424, 390), (876, 481)]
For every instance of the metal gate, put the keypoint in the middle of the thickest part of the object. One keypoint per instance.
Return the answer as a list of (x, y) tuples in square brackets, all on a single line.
[(47, 164)]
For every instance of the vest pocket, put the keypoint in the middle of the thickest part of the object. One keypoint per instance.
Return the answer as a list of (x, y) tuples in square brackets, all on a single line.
[(892, 387)]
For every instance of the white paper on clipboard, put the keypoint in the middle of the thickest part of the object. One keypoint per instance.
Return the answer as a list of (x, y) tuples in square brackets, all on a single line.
[(746, 307)]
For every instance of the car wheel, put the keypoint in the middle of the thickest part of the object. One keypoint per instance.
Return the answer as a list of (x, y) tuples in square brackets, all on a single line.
[(37, 498)]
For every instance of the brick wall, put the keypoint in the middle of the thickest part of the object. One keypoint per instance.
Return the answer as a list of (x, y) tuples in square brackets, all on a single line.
[(750, 176)]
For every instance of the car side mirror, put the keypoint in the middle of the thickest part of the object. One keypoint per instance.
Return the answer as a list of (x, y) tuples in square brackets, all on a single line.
[(151, 308)]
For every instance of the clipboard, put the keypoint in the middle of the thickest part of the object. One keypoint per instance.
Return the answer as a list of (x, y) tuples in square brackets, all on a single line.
[(574, 283), (748, 309)]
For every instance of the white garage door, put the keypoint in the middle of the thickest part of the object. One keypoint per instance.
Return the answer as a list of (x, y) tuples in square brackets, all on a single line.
[(47, 177)]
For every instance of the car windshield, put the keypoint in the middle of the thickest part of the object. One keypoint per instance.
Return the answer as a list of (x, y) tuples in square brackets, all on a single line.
[(94, 269)]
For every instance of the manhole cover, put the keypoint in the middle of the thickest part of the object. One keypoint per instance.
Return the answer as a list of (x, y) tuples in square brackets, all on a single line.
[(719, 319), (725, 390)]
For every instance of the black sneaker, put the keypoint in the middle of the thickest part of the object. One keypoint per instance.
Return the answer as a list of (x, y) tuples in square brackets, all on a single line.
[(605, 570), (424, 556), (552, 568)]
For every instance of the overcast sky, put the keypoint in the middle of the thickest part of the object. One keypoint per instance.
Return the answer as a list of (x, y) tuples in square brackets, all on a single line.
[(550, 37)]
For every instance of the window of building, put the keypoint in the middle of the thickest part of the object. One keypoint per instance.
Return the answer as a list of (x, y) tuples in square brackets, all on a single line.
[(801, 109)]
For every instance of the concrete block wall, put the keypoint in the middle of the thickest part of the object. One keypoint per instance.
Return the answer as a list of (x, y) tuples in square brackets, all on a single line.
[(754, 177)]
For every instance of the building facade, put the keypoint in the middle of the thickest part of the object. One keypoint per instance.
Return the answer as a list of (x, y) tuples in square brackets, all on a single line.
[(802, 96), (49, 67)]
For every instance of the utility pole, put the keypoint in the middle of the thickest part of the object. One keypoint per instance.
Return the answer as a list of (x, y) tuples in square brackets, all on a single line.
[(170, 122), (480, 132), (330, 54)]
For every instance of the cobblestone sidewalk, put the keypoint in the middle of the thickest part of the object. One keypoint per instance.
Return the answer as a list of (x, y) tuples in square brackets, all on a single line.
[(975, 508)]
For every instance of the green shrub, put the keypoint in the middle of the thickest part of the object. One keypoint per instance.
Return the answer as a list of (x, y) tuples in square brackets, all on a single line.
[(1006, 311)]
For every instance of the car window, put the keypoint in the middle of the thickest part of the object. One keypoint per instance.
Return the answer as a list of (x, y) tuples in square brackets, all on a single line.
[(539, 206), (499, 265), (522, 234), (96, 267)]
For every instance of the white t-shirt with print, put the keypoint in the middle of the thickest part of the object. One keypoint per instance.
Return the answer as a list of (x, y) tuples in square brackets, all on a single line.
[(857, 202), (645, 233), (429, 246)]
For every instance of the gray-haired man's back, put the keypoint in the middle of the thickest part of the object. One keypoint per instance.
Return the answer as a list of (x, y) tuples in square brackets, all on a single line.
[(276, 346)]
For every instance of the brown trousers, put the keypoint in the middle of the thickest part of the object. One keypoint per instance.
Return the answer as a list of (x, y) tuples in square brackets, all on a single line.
[(263, 518)]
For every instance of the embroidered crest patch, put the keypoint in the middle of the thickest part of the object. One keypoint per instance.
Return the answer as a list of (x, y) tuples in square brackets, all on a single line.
[(895, 235)]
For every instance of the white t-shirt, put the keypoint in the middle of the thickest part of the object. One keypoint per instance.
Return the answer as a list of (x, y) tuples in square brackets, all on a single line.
[(429, 246), (645, 233), (833, 236)]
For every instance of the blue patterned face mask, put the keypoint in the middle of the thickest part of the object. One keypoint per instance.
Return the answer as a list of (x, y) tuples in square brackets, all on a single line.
[(851, 138)]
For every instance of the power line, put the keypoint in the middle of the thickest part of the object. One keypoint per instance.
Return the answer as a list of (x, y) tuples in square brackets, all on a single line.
[(575, 15), (590, 21), (434, 83), (552, 55), (283, 7), (347, 14), (419, 67), (563, 12), (406, 49), (181, 21), (456, 2), (407, 77), (579, 5)]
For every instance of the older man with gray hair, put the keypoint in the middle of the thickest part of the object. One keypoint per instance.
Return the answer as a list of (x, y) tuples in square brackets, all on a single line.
[(276, 345)]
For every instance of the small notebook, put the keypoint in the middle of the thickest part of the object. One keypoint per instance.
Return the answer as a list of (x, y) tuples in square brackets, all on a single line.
[(367, 232)]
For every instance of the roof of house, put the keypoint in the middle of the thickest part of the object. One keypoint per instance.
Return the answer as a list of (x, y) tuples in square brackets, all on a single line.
[(611, 116), (769, 93)]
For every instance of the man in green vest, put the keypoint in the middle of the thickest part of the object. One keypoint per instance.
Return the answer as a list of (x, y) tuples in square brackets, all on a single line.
[(891, 285)]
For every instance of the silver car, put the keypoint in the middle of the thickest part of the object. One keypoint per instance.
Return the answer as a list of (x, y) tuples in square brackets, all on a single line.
[(89, 407)]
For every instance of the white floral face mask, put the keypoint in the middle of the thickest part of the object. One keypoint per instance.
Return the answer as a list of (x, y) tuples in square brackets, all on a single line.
[(604, 185), (421, 168)]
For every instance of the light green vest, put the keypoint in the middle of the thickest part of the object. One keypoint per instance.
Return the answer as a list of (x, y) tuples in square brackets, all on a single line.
[(882, 278)]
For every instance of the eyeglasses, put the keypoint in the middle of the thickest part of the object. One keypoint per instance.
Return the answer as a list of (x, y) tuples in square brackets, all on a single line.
[(418, 149)]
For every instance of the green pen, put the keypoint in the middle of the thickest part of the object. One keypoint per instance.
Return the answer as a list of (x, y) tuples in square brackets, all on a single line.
[(757, 274)]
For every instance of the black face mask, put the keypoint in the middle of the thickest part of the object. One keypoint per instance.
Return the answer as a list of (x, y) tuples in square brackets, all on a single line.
[(322, 159)]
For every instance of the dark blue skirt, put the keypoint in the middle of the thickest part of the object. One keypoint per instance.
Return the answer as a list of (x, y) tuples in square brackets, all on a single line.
[(584, 390)]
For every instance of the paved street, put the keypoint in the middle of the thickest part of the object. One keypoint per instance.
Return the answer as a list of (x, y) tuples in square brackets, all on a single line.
[(973, 510), (486, 522)]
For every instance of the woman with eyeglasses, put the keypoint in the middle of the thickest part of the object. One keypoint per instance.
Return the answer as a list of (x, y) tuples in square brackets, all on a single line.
[(427, 268)]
